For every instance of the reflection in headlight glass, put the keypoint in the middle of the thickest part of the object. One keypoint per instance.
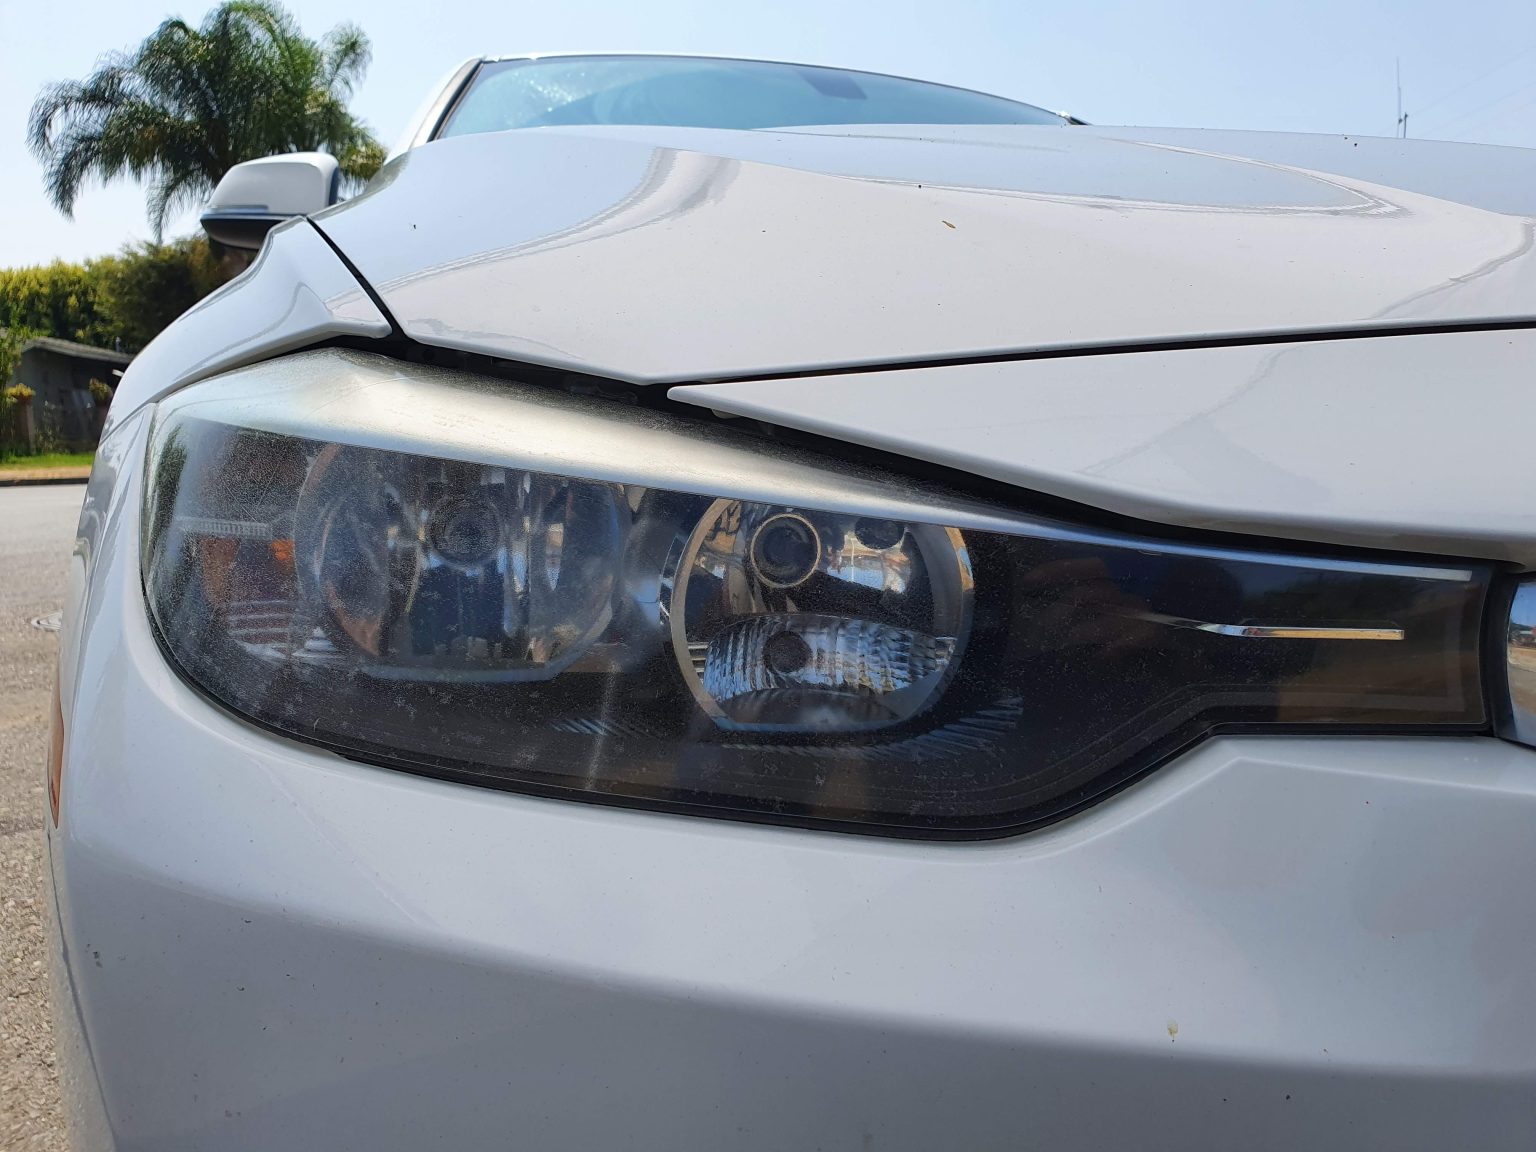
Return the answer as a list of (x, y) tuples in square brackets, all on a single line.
[(582, 637)]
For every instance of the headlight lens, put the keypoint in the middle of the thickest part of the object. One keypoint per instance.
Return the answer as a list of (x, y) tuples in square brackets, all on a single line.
[(429, 569), (803, 620), (951, 672)]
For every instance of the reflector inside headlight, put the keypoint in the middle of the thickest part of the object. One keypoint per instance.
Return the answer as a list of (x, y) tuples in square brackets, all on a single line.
[(800, 619), (764, 633)]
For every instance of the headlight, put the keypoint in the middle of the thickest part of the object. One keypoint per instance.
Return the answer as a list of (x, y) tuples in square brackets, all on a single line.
[(511, 586)]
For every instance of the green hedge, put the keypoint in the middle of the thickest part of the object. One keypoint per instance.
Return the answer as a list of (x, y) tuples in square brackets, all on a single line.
[(122, 300)]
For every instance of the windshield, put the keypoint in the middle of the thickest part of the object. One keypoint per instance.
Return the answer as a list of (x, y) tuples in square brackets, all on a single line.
[(710, 93)]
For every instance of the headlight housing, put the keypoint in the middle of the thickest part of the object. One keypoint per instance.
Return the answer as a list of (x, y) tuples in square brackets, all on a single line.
[(511, 586)]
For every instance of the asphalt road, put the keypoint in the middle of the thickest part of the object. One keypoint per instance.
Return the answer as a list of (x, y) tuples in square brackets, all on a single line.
[(37, 531)]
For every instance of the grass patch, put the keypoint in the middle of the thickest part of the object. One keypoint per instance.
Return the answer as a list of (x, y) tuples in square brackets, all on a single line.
[(47, 460)]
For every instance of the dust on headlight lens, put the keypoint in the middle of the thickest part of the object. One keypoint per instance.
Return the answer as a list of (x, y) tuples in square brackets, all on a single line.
[(586, 637)]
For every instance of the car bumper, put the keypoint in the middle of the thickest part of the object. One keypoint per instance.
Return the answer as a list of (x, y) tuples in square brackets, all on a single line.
[(1270, 943)]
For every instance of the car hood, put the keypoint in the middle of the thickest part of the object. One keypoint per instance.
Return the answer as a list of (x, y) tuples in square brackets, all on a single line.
[(677, 255)]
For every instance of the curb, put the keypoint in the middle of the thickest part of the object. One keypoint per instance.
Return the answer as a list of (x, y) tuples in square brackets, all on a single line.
[(39, 481)]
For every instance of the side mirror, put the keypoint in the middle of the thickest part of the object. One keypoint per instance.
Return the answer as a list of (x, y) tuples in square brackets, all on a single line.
[(257, 195)]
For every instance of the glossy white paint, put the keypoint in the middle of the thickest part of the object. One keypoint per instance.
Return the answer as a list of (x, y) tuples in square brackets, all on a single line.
[(1476, 175), (1269, 944), (119, 454), (290, 184), (685, 254), (296, 293), (1479, 175), (1418, 443)]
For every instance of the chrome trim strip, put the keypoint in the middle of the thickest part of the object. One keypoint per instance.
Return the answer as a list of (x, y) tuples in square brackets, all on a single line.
[(1277, 631)]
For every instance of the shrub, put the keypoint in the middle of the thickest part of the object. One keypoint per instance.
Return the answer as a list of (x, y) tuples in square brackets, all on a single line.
[(120, 301), (11, 341), (146, 286), (55, 299), (12, 438)]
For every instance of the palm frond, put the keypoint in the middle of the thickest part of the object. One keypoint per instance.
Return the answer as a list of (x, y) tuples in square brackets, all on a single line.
[(189, 103)]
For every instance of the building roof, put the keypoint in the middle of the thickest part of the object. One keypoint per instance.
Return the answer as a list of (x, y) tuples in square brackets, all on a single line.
[(82, 351)]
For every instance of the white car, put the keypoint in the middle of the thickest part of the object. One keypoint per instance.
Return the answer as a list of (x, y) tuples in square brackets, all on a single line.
[(726, 605)]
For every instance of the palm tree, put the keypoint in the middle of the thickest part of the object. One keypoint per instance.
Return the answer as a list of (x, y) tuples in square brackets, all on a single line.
[(190, 103)]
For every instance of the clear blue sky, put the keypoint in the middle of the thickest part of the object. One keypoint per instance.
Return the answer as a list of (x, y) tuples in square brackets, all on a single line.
[(1469, 67)]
